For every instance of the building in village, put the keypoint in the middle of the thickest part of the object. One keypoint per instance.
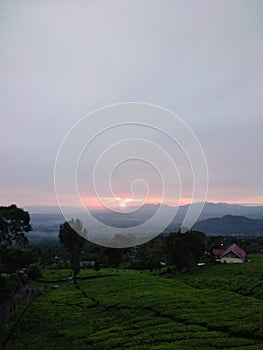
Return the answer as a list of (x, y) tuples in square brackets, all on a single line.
[(232, 254)]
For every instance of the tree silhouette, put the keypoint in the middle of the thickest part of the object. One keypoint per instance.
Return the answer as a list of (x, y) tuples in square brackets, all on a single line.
[(185, 249), (14, 223), (73, 242), (115, 256), (152, 253)]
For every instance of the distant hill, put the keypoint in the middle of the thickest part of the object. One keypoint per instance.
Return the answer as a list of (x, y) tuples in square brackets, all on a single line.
[(215, 211), (210, 210), (215, 219), (230, 225)]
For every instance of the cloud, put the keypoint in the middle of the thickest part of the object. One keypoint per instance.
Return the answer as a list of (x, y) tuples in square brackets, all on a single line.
[(62, 60)]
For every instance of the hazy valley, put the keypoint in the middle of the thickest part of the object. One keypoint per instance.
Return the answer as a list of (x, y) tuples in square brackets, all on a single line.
[(215, 219)]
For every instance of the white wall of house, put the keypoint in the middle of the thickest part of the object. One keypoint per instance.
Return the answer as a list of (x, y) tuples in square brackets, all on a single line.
[(229, 260)]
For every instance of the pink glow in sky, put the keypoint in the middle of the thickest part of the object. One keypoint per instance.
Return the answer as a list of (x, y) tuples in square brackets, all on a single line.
[(62, 60)]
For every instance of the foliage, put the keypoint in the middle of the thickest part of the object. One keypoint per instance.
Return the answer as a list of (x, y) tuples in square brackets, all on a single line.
[(152, 253), (70, 237), (14, 223), (182, 250), (137, 310), (9, 285), (97, 266), (114, 256), (185, 249), (245, 279), (13, 259), (34, 272)]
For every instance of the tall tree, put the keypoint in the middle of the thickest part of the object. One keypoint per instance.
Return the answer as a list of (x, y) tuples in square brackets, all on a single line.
[(73, 242), (14, 223), (152, 253), (185, 249), (115, 256)]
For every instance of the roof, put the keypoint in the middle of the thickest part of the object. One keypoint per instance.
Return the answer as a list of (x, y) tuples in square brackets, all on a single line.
[(218, 252), (234, 248)]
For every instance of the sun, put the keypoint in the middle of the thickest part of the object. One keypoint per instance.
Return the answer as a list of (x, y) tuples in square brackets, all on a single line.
[(122, 204)]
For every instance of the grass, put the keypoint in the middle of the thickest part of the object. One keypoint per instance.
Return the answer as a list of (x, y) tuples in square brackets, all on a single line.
[(137, 310), (60, 275), (245, 279)]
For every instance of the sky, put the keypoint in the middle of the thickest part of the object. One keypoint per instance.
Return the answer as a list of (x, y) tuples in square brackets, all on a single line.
[(61, 60)]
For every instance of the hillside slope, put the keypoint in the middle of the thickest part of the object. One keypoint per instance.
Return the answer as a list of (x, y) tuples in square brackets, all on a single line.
[(230, 225)]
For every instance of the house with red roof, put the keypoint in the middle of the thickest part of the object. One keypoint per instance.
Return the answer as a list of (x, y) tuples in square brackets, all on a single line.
[(233, 254)]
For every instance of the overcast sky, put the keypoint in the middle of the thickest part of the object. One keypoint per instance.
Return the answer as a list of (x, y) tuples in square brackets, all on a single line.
[(61, 60)]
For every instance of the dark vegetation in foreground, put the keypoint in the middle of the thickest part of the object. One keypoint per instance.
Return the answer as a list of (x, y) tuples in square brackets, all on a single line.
[(129, 309), (149, 297)]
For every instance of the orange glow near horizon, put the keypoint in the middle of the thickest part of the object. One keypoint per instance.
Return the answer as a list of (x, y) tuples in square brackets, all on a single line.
[(125, 202), (95, 203)]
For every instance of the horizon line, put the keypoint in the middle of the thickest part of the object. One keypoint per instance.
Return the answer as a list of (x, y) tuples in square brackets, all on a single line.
[(104, 208)]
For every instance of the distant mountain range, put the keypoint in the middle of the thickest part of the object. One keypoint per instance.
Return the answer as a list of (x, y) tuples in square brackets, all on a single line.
[(215, 219), (230, 225), (210, 210)]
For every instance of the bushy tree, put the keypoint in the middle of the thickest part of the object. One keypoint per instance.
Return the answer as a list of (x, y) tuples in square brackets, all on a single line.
[(34, 272), (152, 253), (185, 249), (14, 223), (9, 285), (73, 242), (13, 259), (114, 256)]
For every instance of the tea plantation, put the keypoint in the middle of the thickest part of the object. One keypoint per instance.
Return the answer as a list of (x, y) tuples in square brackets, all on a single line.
[(214, 307)]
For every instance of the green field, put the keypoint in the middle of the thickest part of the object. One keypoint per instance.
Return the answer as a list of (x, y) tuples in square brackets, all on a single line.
[(214, 307)]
